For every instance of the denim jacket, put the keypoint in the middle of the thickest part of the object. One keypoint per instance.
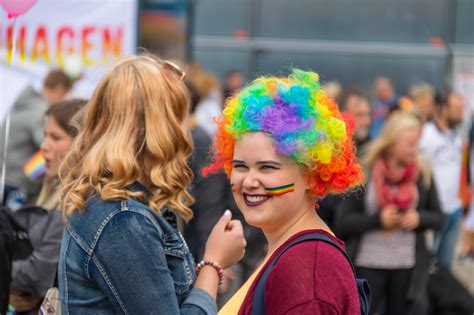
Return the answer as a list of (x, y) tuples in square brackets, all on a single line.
[(120, 257)]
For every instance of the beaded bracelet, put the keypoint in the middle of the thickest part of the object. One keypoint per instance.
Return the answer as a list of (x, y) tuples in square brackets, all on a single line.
[(213, 264)]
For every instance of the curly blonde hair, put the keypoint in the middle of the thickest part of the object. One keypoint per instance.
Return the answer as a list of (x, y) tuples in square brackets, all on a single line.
[(132, 129)]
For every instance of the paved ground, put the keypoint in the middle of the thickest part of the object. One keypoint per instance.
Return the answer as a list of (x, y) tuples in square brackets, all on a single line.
[(463, 269)]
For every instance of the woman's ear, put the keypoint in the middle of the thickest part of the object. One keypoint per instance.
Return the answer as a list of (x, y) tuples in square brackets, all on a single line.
[(305, 171)]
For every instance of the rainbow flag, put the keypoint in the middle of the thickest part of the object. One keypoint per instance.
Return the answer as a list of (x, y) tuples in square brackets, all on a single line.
[(278, 191), (36, 166)]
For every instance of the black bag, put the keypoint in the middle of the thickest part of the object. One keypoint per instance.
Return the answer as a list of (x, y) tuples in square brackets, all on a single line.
[(14, 244), (446, 295), (6, 254), (22, 247), (258, 301)]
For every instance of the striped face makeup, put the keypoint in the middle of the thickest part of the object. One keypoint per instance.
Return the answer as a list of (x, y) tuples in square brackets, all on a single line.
[(275, 191), (281, 190)]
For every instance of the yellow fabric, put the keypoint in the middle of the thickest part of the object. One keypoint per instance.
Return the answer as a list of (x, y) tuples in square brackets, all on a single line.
[(232, 306)]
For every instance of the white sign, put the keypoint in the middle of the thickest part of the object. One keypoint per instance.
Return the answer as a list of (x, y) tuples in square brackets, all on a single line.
[(96, 32)]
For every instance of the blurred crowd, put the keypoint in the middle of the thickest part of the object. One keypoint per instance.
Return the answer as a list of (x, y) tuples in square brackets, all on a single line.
[(401, 251)]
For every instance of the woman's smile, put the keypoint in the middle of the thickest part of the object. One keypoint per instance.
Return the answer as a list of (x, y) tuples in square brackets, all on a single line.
[(255, 200)]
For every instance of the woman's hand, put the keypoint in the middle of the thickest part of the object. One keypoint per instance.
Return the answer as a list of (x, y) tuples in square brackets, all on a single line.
[(225, 246), (226, 243), (390, 217), (410, 220)]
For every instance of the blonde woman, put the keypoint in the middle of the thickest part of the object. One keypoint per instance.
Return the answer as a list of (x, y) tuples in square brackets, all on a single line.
[(124, 184), (383, 228)]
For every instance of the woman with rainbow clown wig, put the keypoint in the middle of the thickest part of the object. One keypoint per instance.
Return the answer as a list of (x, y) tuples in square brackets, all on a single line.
[(283, 143)]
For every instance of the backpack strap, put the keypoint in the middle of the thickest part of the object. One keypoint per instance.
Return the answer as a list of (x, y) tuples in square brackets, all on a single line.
[(258, 300)]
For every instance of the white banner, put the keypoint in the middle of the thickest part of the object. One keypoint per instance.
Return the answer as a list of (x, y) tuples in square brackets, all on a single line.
[(92, 34)]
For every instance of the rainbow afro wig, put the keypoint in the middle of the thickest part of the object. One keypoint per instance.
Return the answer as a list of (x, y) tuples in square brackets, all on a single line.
[(303, 121)]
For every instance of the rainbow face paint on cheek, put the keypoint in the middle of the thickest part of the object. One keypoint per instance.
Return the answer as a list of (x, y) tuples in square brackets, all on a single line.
[(281, 190), (234, 189)]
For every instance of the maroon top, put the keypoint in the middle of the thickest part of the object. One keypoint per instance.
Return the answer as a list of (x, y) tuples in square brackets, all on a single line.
[(312, 277)]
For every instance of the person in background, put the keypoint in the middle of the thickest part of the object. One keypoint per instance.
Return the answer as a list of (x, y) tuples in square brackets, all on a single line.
[(210, 96), (468, 169), (34, 275), (383, 225), (333, 90), (26, 135), (386, 98), (354, 102), (442, 142), (210, 105), (233, 83), (422, 95)]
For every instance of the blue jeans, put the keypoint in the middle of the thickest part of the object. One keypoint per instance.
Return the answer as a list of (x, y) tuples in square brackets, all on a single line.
[(446, 241)]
